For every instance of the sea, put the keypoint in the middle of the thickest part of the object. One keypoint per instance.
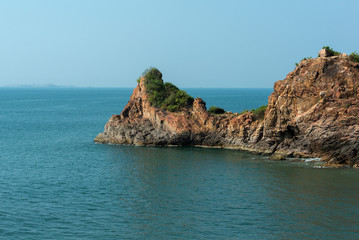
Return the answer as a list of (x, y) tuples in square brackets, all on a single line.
[(56, 183)]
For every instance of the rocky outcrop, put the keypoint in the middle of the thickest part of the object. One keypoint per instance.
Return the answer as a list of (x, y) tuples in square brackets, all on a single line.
[(313, 112)]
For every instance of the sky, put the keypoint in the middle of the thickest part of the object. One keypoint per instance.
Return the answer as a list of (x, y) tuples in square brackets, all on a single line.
[(194, 43)]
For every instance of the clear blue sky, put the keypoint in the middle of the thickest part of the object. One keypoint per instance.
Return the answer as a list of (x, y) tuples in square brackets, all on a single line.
[(194, 43)]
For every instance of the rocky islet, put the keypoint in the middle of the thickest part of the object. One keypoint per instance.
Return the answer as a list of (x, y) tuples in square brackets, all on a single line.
[(313, 112)]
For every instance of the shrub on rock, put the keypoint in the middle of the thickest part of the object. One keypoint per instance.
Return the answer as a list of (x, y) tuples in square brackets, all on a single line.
[(216, 110), (259, 112), (354, 56), (165, 95)]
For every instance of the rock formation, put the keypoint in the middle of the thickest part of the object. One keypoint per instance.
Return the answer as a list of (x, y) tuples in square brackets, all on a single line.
[(313, 112)]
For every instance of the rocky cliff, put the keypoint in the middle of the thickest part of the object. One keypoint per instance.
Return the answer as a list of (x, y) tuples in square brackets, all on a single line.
[(313, 112)]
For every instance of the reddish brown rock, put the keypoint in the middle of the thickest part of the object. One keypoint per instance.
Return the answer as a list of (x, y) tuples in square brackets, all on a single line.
[(313, 112)]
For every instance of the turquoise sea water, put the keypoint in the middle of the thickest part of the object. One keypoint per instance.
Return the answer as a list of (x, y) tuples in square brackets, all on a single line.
[(56, 183)]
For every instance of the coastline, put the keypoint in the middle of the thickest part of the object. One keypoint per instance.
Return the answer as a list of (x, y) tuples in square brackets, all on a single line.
[(311, 113)]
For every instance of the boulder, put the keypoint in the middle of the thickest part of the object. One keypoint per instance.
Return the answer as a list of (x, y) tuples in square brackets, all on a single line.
[(324, 53)]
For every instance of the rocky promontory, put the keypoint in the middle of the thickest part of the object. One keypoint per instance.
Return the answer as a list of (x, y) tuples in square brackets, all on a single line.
[(313, 112)]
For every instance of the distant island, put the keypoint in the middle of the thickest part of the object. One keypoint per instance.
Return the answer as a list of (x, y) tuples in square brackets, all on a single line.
[(36, 86), (313, 112)]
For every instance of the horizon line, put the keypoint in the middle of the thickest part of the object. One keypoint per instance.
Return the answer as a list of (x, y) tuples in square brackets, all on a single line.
[(58, 87)]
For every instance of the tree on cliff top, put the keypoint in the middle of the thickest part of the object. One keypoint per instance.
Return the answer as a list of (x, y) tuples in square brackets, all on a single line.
[(165, 95), (152, 73)]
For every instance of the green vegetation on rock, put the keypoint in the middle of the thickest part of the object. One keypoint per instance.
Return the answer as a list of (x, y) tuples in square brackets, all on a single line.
[(306, 58), (243, 112), (331, 51), (165, 95), (259, 112), (216, 110), (354, 56)]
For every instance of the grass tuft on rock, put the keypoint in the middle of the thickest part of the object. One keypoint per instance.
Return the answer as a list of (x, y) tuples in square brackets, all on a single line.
[(306, 58)]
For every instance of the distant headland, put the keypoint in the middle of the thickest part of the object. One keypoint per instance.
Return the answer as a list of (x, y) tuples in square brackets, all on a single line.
[(313, 112)]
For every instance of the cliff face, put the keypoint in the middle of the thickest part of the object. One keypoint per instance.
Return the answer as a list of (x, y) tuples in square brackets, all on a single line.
[(313, 112)]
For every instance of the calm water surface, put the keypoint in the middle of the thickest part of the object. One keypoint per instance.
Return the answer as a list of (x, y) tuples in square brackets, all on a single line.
[(56, 183)]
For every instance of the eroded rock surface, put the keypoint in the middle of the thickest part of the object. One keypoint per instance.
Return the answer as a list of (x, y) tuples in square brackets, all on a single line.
[(313, 112)]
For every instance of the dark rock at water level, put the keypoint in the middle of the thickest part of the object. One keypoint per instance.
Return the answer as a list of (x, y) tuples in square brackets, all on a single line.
[(313, 112)]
